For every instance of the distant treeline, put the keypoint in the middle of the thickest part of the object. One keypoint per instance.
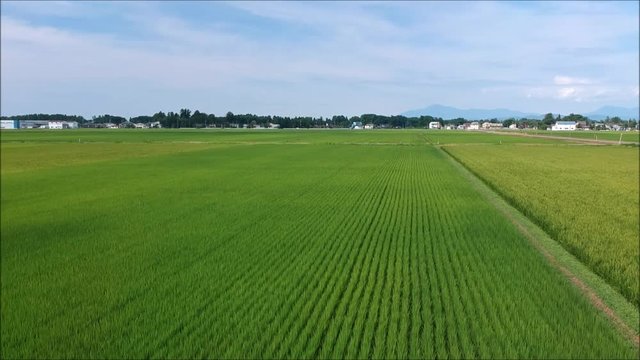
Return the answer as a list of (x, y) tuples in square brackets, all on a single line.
[(186, 119)]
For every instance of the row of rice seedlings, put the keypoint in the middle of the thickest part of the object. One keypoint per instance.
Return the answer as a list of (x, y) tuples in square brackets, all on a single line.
[(343, 330), (382, 295), (324, 315), (208, 298), (260, 290), (479, 290), (360, 314), (298, 292), (347, 331), (249, 248), (395, 298), (288, 312)]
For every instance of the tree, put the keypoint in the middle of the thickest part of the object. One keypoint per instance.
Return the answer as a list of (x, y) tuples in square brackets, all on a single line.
[(508, 122), (102, 119), (159, 116), (547, 121), (185, 114), (198, 119)]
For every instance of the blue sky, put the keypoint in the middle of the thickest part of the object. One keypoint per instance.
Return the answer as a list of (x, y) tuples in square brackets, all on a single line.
[(316, 58)]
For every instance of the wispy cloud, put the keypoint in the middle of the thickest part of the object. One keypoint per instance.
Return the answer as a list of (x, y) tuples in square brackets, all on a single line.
[(316, 58)]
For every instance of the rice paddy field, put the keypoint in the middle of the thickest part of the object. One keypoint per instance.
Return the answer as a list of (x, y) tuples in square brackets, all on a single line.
[(625, 136), (586, 197), (278, 244)]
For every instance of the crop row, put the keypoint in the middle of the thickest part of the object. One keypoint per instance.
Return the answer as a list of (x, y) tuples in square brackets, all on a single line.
[(280, 251)]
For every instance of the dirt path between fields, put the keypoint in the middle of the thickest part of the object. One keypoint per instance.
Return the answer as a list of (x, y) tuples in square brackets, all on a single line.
[(498, 202), (627, 331), (578, 140)]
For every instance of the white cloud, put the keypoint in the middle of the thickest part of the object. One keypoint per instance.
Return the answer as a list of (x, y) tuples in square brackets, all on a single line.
[(566, 92), (566, 80)]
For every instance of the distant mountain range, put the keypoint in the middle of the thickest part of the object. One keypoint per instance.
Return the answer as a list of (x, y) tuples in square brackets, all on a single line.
[(448, 112), (611, 111)]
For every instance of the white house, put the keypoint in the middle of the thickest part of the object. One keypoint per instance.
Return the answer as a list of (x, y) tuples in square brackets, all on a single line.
[(57, 125), (62, 125), (564, 126), (368, 126), (434, 125), (513, 126), (474, 126)]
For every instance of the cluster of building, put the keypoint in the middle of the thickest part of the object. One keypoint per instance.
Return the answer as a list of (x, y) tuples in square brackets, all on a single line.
[(558, 126), (475, 125), (357, 125), (127, 125), (37, 124)]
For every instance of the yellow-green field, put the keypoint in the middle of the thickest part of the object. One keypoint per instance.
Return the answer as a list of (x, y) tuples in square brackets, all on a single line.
[(584, 196)]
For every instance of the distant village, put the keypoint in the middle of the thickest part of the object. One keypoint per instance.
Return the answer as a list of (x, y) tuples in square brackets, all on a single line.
[(184, 119)]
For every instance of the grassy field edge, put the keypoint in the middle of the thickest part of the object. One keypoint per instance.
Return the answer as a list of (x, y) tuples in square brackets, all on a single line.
[(615, 301)]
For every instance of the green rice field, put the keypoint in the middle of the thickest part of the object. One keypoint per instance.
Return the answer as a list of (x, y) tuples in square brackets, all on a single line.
[(284, 244), (626, 136), (586, 197)]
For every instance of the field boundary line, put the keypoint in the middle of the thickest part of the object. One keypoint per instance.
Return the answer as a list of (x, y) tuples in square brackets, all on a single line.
[(623, 315), (566, 138)]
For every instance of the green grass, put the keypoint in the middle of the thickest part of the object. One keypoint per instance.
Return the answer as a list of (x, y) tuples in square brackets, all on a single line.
[(227, 136), (586, 197), (305, 246), (264, 136), (628, 136)]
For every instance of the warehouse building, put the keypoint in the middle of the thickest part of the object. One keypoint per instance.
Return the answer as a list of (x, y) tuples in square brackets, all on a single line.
[(9, 124), (564, 125)]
